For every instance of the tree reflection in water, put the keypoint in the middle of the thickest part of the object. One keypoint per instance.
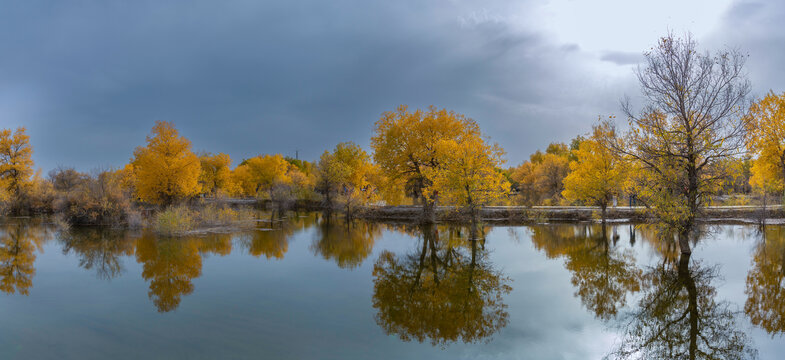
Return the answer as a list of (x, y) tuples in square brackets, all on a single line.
[(19, 239), (347, 242), (446, 292), (99, 248), (271, 238), (765, 305), (170, 264), (602, 273), (679, 317)]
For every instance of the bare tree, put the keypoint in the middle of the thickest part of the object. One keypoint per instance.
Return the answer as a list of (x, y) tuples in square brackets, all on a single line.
[(693, 121)]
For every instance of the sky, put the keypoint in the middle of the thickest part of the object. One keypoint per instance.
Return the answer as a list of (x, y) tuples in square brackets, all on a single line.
[(88, 79)]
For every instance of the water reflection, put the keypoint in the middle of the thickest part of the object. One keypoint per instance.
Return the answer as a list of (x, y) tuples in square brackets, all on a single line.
[(603, 273), (99, 249), (19, 240), (346, 242), (447, 291), (679, 317), (171, 264), (765, 305), (271, 238)]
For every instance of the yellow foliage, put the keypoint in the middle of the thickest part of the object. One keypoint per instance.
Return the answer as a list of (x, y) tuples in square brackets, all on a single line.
[(241, 183), (540, 180), (468, 174), (264, 172), (215, 173), (766, 139), (126, 178), (18, 244), (404, 144), (348, 173), (16, 162), (165, 169), (598, 174)]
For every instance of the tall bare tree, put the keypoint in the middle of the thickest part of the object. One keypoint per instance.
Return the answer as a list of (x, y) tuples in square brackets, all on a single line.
[(693, 121)]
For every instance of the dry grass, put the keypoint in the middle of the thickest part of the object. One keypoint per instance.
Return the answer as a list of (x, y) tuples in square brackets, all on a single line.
[(182, 219)]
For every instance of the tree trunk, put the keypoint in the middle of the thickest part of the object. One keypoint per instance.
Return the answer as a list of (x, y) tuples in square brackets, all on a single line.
[(428, 216), (684, 242), (692, 292)]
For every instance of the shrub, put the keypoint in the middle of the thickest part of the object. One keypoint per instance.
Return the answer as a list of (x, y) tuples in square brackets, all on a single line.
[(97, 199), (36, 196), (174, 220), (181, 219)]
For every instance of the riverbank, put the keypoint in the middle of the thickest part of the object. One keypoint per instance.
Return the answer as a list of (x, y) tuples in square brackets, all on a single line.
[(523, 214)]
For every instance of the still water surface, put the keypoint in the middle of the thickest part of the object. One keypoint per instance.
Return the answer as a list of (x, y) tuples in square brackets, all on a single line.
[(306, 287)]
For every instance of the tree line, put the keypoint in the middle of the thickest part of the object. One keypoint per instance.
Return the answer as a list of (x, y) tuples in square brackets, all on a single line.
[(697, 135)]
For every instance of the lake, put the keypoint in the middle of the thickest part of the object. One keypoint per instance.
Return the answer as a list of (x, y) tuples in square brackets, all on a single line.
[(310, 287)]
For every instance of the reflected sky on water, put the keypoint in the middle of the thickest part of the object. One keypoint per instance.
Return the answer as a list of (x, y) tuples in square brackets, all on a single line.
[(307, 286)]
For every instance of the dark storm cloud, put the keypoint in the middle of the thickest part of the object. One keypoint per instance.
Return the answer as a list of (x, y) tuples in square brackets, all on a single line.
[(88, 79)]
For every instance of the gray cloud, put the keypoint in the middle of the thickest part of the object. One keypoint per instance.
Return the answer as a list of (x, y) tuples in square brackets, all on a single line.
[(755, 28), (622, 58), (88, 79)]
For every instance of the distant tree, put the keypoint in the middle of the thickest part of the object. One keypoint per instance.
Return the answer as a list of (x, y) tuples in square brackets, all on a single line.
[(268, 171), (766, 140), (166, 169), (242, 182), (16, 161), (215, 174), (598, 174), (541, 179), (347, 173), (66, 178)]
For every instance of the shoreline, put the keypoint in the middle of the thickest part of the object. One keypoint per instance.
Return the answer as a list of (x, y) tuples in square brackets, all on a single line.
[(524, 215)]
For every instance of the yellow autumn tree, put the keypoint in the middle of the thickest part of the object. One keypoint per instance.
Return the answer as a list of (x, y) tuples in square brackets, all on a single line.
[(766, 176), (541, 179), (127, 179), (268, 170), (215, 174), (346, 174), (303, 178), (241, 182), (469, 174), (598, 174), (766, 139), (16, 161), (166, 169), (404, 146)]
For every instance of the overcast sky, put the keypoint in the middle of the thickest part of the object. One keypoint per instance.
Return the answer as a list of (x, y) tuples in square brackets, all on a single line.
[(89, 78)]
